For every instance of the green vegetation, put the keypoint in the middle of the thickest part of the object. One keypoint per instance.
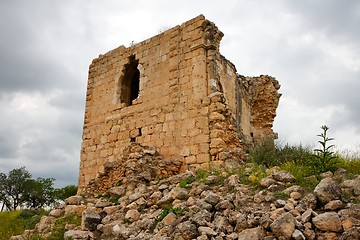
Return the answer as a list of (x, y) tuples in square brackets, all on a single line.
[(324, 160), (170, 209), (166, 210), (19, 190), (185, 182), (280, 195), (59, 227), (15, 222), (302, 162), (115, 199)]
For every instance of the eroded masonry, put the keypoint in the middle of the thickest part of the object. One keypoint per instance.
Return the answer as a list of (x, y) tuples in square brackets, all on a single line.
[(174, 92)]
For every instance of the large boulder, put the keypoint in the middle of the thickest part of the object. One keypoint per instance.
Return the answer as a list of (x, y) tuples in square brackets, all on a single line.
[(283, 176), (328, 221), (327, 190), (257, 233), (284, 226), (74, 200), (90, 220)]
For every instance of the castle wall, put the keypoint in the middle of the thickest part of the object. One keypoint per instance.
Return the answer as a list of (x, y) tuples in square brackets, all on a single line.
[(173, 91)]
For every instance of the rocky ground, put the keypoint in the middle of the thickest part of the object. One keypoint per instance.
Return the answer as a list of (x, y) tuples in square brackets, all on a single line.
[(216, 206)]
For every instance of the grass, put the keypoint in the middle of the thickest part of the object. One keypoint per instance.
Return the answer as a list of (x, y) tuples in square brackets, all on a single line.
[(15, 222), (58, 230)]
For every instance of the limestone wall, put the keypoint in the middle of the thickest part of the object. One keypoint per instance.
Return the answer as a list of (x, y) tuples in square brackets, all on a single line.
[(174, 92)]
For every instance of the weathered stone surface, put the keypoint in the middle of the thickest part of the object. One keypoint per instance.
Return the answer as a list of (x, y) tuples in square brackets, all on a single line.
[(328, 221), (188, 230), (212, 198), (78, 234), (327, 190), (74, 200), (90, 220), (179, 193), (284, 226), (334, 205), (282, 176), (353, 184), (308, 201), (132, 215), (351, 234), (298, 235), (56, 212), (266, 182), (257, 233), (207, 231), (202, 218)]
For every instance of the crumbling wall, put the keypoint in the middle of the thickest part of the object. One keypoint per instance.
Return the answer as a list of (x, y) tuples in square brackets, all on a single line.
[(174, 92)]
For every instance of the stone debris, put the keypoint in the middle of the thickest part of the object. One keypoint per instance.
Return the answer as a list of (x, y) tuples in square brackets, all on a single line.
[(203, 210)]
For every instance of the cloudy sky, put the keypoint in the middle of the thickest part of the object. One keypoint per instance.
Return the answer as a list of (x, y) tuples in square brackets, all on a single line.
[(311, 47)]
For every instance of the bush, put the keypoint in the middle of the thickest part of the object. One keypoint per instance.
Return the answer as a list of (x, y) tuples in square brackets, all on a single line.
[(15, 222), (265, 153), (185, 182)]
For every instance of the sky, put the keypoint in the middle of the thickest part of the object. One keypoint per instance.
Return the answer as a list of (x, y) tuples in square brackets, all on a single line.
[(311, 47)]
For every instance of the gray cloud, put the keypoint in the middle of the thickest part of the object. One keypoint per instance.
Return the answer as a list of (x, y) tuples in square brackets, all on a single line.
[(312, 48)]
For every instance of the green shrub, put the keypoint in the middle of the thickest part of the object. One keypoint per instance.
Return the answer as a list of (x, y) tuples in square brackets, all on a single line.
[(185, 182), (265, 153), (201, 174), (166, 210), (115, 199), (280, 195), (349, 162)]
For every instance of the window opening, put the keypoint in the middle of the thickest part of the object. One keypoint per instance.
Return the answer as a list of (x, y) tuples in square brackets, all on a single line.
[(130, 84)]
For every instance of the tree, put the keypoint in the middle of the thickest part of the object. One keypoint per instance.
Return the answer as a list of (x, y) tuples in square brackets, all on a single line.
[(39, 192), (13, 187), (3, 196), (65, 192), (18, 189)]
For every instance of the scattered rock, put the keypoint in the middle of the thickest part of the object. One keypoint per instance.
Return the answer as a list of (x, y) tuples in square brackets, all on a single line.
[(334, 205), (132, 215), (351, 234), (283, 176), (74, 200), (78, 234), (163, 210), (298, 235)]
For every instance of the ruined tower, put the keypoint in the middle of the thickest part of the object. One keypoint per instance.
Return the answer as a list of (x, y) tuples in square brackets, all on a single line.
[(175, 92)]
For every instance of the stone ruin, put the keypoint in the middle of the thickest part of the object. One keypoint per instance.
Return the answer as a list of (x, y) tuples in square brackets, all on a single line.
[(177, 94)]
